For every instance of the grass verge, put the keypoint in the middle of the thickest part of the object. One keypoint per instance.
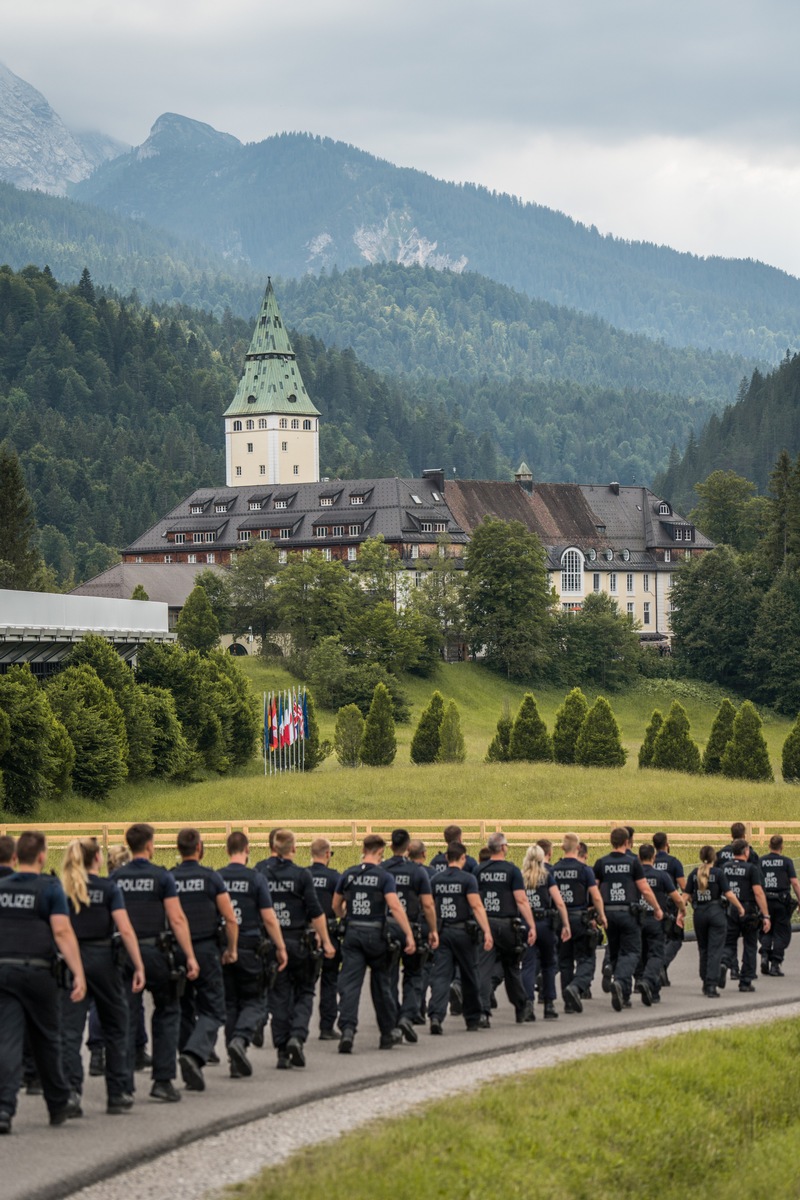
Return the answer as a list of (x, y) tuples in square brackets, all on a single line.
[(599, 1129)]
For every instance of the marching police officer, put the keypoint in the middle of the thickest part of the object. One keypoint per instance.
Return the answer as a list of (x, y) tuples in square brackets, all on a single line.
[(205, 900), (552, 922), (738, 834), (325, 881), (653, 937), (157, 917), (296, 907), (439, 861), (98, 916), (744, 879), (414, 893), (8, 849), (621, 880), (502, 892), (708, 886), (780, 880), (665, 860), (34, 925), (245, 979), (461, 917), (576, 882), (367, 894)]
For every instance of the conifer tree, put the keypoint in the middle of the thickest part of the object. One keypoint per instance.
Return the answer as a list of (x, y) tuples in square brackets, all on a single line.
[(500, 745), (599, 742), (96, 726), (790, 755), (451, 739), (118, 676), (379, 743), (173, 757), (139, 593), (426, 740), (746, 755), (348, 735), (650, 734), (530, 741), (32, 765), (315, 749), (569, 718), (20, 562), (718, 738), (673, 748), (197, 628)]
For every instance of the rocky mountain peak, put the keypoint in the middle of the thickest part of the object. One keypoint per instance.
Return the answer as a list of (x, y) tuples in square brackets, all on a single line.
[(173, 133)]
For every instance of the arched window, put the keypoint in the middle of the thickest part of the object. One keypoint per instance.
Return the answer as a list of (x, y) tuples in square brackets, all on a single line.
[(283, 423), (251, 424), (262, 423), (295, 423), (306, 424), (237, 426), (572, 571)]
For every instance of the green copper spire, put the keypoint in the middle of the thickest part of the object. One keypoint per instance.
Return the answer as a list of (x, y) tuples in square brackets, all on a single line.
[(271, 381)]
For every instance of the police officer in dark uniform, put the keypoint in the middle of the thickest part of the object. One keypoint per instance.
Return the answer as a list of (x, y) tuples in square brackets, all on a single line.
[(665, 860), (8, 848), (461, 917), (205, 900), (653, 937), (439, 861), (157, 917), (296, 907), (511, 922), (744, 878), (260, 939), (97, 912), (780, 880), (413, 884), (621, 880), (552, 926), (366, 895), (34, 925), (707, 887), (738, 834), (576, 957), (325, 881)]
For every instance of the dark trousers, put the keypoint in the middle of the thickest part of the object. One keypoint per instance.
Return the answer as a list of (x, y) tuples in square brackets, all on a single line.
[(105, 987), (749, 938), (365, 947), (95, 1039), (329, 990), (166, 1016), (244, 994), (203, 1003), (456, 950), (710, 926), (624, 946), (671, 950), (504, 956), (29, 1002), (541, 956), (775, 943), (291, 1001), (576, 957), (408, 1002), (654, 946)]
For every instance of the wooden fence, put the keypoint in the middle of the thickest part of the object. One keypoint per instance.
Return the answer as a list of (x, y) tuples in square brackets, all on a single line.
[(343, 832)]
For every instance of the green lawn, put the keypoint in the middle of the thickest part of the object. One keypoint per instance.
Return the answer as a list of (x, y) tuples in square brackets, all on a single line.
[(604, 1128)]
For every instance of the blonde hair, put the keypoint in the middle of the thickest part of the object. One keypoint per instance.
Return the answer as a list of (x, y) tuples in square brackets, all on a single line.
[(570, 843), (78, 858), (534, 872), (707, 856), (118, 856)]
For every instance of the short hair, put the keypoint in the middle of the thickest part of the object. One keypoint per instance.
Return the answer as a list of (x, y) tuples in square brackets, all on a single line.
[(373, 842), (271, 837), (583, 849), (7, 849), (416, 850), (630, 831), (283, 841), (400, 840), (455, 851), (570, 843), (775, 842), (30, 845), (320, 846), (660, 841), (484, 854), (647, 852), (496, 841), (619, 837), (118, 856), (546, 845), (737, 831), (738, 846), (137, 836), (452, 834), (189, 842), (237, 842)]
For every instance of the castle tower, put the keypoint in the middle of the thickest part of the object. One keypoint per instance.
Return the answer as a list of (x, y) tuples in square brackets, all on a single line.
[(271, 426)]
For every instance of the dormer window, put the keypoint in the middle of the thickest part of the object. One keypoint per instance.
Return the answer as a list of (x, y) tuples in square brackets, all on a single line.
[(251, 399), (244, 535), (326, 502), (220, 508), (626, 555), (356, 498), (196, 509), (254, 506), (281, 503), (663, 509), (440, 527), (608, 555), (678, 534), (354, 530), (321, 531), (426, 526), (180, 538)]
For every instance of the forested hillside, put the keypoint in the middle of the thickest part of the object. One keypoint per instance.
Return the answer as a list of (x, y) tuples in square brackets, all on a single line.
[(746, 438), (295, 203)]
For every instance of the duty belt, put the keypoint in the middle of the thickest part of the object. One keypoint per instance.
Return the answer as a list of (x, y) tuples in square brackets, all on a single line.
[(454, 924), (27, 962), (616, 907), (149, 941), (365, 924), (95, 941)]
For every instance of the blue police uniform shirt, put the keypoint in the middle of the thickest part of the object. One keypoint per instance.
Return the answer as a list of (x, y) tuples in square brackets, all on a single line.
[(145, 887), (743, 877), (325, 880), (94, 921), (777, 871), (27, 902), (439, 863), (498, 879), (718, 886), (249, 893), (725, 855), (661, 884), (198, 888), (616, 874), (294, 897), (669, 863), (451, 888), (540, 898), (365, 887), (412, 881), (573, 880)]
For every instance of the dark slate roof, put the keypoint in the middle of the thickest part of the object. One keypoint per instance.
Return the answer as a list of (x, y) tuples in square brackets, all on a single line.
[(389, 508), (170, 583)]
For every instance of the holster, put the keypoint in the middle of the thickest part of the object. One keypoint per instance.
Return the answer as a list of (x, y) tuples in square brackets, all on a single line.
[(473, 931), (394, 947), (269, 963), (314, 958), (520, 939), (177, 973), (424, 951), (750, 921), (119, 955), (62, 974)]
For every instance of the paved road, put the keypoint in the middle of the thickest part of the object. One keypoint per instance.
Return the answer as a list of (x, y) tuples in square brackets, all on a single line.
[(39, 1163)]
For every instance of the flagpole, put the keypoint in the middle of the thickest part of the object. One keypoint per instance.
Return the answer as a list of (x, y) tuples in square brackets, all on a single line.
[(303, 725), (265, 733)]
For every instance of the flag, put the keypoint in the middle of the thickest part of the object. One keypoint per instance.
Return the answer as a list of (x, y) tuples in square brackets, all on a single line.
[(273, 724), (266, 722), (285, 722), (305, 716), (299, 722)]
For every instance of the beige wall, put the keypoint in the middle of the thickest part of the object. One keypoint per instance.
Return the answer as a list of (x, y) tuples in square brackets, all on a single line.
[(268, 462)]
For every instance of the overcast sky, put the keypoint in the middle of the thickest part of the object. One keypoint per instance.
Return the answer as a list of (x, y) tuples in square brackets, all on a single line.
[(674, 121)]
